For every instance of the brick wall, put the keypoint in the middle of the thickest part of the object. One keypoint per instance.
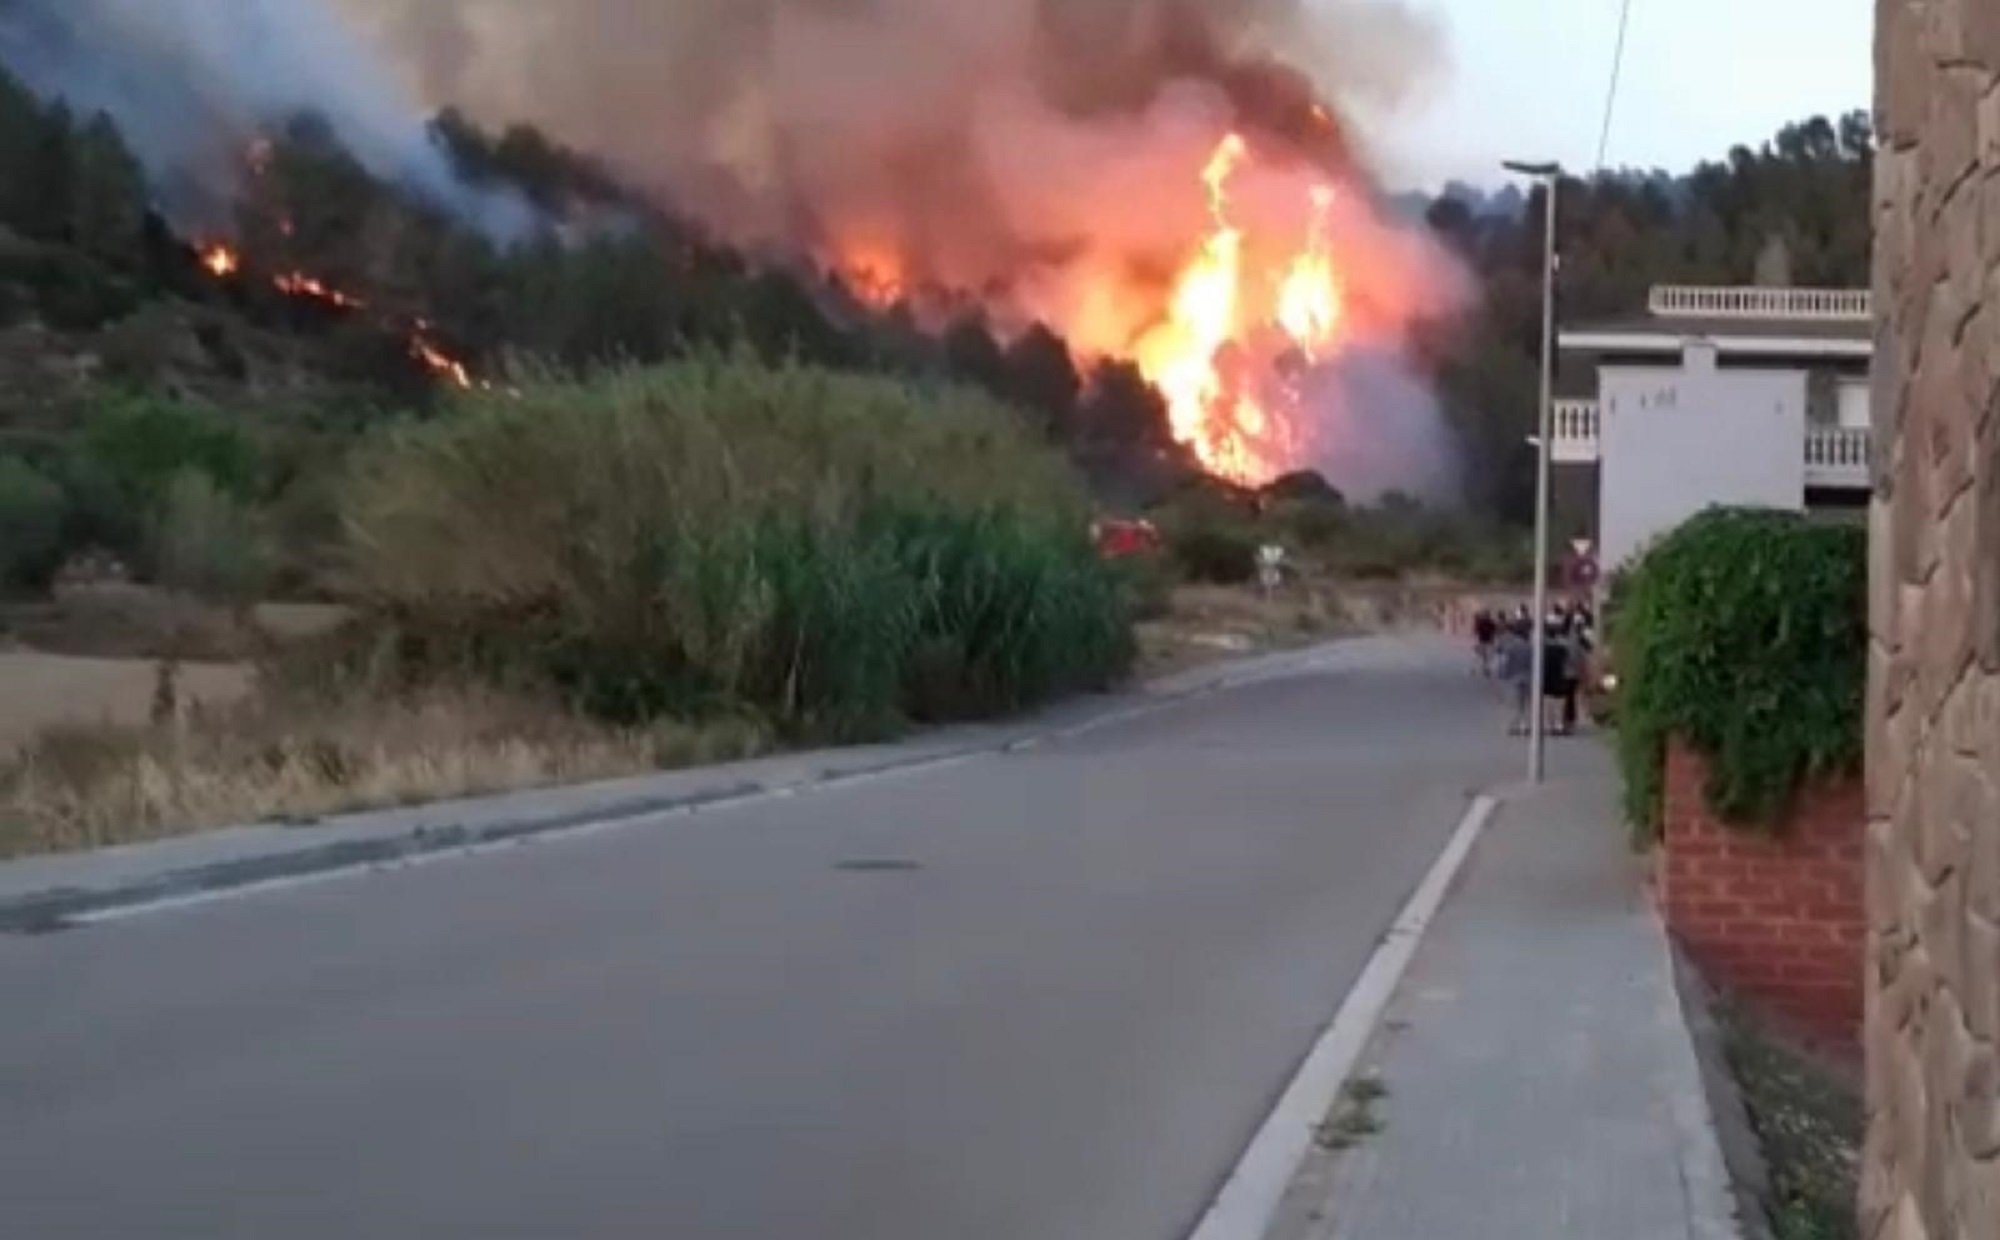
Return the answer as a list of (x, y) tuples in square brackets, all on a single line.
[(1932, 1165), (1778, 919)]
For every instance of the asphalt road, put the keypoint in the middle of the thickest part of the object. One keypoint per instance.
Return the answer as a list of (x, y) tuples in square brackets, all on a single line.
[(1029, 996)]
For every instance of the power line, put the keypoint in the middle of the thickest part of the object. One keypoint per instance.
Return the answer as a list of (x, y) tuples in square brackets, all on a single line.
[(1617, 71)]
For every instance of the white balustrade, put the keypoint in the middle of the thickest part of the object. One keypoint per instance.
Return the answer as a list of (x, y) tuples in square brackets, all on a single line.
[(1837, 456), (1816, 304), (1574, 431)]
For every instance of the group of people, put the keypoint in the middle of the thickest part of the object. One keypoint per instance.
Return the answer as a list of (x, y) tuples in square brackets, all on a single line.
[(1504, 643)]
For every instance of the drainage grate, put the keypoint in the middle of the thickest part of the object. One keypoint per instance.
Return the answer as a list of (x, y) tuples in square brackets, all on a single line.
[(877, 865)]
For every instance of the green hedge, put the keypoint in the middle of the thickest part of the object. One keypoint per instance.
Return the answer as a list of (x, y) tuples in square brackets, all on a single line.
[(1743, 632)]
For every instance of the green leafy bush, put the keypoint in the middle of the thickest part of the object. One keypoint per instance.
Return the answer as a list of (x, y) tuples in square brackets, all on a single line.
[(835, 551), (144, 442), (132, 450), (1744, 634), (32, 513)]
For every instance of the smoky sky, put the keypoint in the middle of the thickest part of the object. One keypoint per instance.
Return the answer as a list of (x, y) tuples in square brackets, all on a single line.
[(191, 81), (770, 115)]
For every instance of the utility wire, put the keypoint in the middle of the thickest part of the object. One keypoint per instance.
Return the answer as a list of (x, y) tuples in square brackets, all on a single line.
[(1617, 71)]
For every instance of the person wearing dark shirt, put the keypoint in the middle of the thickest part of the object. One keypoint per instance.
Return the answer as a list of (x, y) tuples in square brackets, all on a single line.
[(1484, 630), (1558, 685)]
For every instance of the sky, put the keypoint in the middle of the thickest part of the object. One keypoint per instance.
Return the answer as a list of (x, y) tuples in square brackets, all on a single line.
[(1527, 80)]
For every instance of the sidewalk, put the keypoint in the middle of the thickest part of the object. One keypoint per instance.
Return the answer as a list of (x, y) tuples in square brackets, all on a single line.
[(1536, 1079)]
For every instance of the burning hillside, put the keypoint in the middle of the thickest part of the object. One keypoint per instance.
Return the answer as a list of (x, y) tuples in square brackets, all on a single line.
[(1146, 177), (225, 262)]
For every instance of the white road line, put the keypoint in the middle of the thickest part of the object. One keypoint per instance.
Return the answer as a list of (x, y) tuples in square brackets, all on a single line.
[(1248, 1200)]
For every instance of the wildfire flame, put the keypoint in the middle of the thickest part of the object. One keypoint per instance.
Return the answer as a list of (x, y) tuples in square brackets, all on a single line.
[(442, 364), (873, 273), (1311, 299), (1214, 353), (221, 261), (299, 284)]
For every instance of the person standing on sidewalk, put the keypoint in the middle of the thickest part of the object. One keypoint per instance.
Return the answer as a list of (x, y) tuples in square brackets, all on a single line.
[(1558, 687), (1515, 659)]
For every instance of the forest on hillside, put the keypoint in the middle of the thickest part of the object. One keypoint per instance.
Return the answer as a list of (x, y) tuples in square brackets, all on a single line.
[(127, 351)]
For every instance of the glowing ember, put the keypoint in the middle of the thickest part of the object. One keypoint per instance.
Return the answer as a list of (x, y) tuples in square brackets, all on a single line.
[(220, 260), (874, 274), (1212, 354), (442, 364), (299, 284)]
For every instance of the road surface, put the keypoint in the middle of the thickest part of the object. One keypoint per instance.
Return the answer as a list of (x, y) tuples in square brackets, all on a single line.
[(1029, 996)]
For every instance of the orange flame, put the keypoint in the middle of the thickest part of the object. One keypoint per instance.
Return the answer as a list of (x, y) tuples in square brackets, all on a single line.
[(1211, 354), (299, 284), (442, 364), (1310, 304), (221, 261), (874, 273)]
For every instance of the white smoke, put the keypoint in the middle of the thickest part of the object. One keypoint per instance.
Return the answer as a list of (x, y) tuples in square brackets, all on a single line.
[(192, 82)]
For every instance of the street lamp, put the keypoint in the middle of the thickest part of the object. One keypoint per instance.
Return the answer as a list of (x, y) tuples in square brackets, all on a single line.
[(1550, 174)]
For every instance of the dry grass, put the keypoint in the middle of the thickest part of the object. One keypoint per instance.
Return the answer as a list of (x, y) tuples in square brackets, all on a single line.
[(270, 759), (1207, 623), (46, 691)]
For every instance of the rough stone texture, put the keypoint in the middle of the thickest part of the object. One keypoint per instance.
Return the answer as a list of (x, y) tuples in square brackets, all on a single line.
[(1777, 918), (1933, 841)]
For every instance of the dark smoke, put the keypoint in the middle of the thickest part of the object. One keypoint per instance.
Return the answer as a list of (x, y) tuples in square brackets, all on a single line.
[(791, 120), (192, 82)]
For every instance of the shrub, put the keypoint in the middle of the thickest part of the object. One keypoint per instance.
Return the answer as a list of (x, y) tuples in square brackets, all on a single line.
[(1210, 539), (1009, 611), (1149, 584), (1743, 633), (836, 550), (144, 442), (207, 543), (32, 513)]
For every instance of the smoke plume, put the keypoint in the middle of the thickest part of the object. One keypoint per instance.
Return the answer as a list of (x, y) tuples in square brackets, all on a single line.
[(1041, 155), (973, 139), (192, 82)]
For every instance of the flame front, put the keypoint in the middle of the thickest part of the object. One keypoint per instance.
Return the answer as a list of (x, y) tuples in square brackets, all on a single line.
[(222, 261), (1311, 298), (1216, 353), (440, 363), (299, 284)]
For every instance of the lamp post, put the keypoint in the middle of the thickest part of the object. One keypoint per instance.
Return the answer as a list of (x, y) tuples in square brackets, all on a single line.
[(1550, 174)]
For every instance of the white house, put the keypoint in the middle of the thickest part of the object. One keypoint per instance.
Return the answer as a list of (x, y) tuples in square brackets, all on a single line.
[(1752, 396)]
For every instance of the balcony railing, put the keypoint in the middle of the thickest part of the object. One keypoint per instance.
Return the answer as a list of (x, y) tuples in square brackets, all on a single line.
[(1574, 426), (1835, 456), (1815, 304)]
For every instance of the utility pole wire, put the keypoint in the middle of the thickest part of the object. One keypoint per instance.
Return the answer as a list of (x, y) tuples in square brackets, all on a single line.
[(1617, 70)]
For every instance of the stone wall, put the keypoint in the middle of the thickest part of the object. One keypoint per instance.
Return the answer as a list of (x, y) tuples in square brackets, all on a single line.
[(1775, 917), (1933, 1155)]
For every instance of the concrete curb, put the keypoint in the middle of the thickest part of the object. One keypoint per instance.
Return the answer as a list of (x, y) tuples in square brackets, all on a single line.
[(1742, 1153), (1248, 1201), (1713, 1203), (72, 904)]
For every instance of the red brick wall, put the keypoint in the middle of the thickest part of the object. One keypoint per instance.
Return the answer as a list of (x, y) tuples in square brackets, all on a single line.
[(1778, 918)]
